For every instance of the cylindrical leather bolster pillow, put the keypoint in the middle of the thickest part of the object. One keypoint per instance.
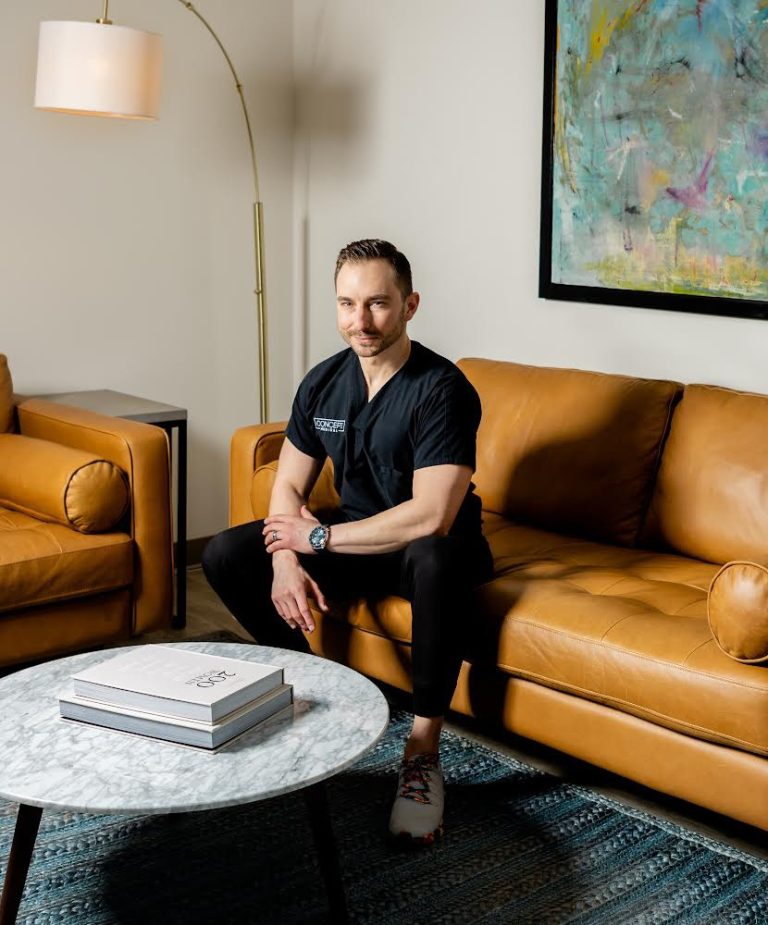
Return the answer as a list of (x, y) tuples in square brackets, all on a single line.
[(737, 610), (57, 483)]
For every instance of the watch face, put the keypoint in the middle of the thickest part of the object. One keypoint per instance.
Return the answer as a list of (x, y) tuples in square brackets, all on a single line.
[(317, 538)]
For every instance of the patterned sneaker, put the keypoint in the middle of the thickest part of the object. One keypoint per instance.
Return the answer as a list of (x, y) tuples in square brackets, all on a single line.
[(417, 813)]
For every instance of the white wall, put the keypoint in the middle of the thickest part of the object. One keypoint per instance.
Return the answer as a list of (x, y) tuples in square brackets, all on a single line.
[(420, 121), (126, 247)]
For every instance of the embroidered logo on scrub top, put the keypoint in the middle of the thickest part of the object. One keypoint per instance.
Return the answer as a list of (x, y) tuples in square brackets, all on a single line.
[(330, 425)]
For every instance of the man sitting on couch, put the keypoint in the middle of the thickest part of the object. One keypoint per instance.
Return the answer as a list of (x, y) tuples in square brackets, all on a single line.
[(399, 423)]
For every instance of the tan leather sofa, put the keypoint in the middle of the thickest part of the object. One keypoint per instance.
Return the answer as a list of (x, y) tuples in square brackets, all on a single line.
[(85, 528), (627, 623)]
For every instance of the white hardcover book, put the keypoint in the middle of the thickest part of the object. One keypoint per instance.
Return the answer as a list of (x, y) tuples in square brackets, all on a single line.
[(175, 729), (177, 682)]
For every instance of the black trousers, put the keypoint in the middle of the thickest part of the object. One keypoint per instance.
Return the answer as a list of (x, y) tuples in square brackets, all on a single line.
[(437, 574)]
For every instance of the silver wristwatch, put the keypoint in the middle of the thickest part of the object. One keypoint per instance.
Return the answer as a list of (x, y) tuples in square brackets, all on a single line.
[(319, 536)]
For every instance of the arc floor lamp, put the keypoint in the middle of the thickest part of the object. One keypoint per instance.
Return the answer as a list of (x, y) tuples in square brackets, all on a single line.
[(100, 69)]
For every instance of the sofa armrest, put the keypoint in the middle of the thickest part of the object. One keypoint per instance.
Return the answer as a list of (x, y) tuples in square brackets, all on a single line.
[(737, 611), (250, 448), (142, 452)]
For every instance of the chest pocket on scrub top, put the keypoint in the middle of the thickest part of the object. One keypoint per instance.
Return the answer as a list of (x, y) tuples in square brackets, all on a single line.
[(394, 485)]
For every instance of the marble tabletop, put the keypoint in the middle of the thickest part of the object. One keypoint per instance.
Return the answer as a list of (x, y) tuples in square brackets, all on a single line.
[(338, 715)]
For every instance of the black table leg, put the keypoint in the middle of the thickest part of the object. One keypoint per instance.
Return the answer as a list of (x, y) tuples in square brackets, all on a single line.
[(180, 619), (27, 824), (181, 528), (327, 853)]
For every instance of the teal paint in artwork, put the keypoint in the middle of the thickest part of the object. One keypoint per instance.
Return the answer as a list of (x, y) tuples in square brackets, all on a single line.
[(661, 146)]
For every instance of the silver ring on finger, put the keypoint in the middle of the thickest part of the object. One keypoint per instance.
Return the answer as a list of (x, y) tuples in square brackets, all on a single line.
[(275, 536)]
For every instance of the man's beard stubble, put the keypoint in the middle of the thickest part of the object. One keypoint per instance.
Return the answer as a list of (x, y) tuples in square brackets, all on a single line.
[(380, 344)]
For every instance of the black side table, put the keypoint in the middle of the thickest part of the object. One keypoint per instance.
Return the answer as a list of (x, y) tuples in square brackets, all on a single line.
[(168, 417)]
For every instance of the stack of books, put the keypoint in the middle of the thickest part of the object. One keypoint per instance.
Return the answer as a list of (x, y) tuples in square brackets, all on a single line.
[(186, 697)]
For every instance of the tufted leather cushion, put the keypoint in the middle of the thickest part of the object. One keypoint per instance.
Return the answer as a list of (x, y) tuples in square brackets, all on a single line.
[(6, 396), (45, 563), (737, 610), (623, 627), (569, 450), (59, 484), (711, 497)]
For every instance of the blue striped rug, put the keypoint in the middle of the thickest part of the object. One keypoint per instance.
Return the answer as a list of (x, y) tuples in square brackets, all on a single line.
[(520, 847)]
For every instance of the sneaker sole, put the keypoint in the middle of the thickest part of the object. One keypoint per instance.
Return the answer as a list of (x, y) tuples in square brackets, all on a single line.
[(406, 840)]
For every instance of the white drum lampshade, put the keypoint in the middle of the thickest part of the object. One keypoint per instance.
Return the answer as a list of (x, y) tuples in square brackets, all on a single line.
[(98, 69)]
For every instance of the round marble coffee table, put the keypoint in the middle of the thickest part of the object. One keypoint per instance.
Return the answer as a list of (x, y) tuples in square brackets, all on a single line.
[(51, 763)]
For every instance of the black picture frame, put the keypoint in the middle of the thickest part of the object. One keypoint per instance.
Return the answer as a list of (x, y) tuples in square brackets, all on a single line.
[(548, 289)]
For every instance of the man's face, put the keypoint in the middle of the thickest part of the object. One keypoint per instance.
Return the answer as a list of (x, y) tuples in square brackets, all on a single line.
[(371, 310)]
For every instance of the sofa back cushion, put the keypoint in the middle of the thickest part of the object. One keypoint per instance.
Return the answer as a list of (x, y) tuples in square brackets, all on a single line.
[(711, 497), (568, 450), (6, 397)]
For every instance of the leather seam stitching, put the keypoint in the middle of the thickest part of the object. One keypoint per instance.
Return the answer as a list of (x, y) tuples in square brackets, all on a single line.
[(684, 584), (603, 698), (68, 595), (695, 649), (77, 425), (646, 658), (73, 552)]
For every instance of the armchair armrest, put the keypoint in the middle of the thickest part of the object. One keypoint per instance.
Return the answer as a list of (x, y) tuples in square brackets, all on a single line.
[(142, 452), (258, 448), (250, 448)]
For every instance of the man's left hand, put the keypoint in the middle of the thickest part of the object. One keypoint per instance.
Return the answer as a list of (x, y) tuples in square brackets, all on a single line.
[(285, 531)]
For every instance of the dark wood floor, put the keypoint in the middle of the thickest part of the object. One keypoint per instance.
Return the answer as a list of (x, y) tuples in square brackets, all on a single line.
[(206, 614)]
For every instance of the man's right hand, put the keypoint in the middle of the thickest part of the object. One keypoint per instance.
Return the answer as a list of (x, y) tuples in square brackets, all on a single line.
[(291, 585)]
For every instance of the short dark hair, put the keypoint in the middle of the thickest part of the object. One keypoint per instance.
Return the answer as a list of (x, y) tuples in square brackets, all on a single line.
[(376, 249)]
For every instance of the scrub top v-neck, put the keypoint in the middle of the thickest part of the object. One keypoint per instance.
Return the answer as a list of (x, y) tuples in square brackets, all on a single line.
[(426, 414)]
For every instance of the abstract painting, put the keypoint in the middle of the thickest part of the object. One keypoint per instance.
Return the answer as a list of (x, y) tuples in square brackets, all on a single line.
[(655, 154)]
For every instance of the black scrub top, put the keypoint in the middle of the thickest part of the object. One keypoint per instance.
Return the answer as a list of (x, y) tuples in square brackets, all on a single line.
[(427, 414)]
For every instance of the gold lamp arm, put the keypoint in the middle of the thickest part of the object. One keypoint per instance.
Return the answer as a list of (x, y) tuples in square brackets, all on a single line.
[(258, 221)]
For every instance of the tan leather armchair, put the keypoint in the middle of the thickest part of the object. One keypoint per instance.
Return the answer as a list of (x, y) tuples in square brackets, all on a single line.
[(85, 528)]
